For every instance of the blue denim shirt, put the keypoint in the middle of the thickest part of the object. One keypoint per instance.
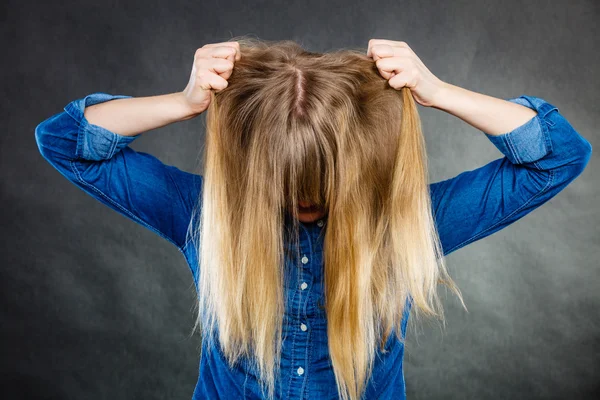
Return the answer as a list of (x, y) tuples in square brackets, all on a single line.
[(540, 158)]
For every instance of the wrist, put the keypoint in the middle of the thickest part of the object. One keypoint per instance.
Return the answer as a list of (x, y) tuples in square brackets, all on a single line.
[(185, 110), (443, 95)]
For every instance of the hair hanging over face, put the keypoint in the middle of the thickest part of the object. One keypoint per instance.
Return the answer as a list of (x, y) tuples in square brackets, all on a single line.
[(328, 129)]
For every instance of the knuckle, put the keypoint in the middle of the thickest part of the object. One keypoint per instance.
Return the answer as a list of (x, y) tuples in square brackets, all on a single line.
[(198, 63)]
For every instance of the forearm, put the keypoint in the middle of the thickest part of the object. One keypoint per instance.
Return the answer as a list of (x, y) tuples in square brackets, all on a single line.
[(488, 114), (132, 116)]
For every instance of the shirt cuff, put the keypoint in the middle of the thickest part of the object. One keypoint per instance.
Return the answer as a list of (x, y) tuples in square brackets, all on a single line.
[(530, 141), (95, 142)]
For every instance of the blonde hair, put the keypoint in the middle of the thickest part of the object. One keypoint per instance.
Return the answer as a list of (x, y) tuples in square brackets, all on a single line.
[(325, 128)]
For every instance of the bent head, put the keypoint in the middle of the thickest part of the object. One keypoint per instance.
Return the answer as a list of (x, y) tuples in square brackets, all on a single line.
[(296, 126), (296, 129), (308, 212)]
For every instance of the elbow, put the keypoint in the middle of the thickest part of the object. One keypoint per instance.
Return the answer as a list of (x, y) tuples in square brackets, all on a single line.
[(576, 163), (587, 153), (56, 139), (43, 138), (575, 151), (583, 157)]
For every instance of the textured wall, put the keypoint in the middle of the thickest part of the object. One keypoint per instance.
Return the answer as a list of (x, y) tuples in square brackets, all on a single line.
[(94, 306)]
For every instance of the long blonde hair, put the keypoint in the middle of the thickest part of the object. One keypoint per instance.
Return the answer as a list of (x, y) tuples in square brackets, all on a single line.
[(325, 128)]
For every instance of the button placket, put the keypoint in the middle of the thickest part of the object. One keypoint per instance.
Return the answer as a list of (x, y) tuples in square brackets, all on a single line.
[(303, 286), (301, 337)]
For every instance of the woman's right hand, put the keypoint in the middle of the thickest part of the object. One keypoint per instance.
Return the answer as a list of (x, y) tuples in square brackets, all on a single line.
[(213, 64)]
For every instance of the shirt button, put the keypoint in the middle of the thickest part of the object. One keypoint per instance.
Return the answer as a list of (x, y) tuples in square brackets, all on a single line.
[(300, 371), (304, 285), (304, 260), (320, 223), (303, 327)]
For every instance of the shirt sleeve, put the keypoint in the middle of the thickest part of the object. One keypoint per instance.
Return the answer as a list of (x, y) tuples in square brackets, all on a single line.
[(541, 157), (135, 184)]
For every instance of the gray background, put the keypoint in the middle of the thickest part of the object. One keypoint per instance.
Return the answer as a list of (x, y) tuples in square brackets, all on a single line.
[(94, 306)]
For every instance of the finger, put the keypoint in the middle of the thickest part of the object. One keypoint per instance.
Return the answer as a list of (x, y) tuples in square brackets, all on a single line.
[(380, 51), (401, 80), (209, 81), (385, 50), (390, 65), (226, 52), (230, 52), (222, 67), (393, 43), (227, 45)]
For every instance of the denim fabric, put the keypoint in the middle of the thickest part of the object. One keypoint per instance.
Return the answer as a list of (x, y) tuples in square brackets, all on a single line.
[(540, 158)]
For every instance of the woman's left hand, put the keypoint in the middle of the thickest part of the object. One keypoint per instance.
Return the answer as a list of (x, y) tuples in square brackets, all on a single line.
[(399, 64)]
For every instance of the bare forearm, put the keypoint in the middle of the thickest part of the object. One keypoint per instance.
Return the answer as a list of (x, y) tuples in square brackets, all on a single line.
[(132, 116), (488, 114)]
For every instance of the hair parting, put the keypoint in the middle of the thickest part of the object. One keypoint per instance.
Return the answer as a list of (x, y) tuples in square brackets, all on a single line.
[(294, 125)]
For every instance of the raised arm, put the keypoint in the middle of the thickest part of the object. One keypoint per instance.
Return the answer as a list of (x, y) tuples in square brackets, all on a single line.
[(88, 143), (541, 157), (130, 116), (100, 162), (542, 151)]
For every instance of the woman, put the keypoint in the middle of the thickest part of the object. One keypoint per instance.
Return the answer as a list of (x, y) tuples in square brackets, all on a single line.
[(328, 146)]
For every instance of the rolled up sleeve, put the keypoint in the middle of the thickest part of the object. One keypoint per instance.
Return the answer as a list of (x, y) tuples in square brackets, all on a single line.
[(136, 184), (533, 142), (541, 157), (75, 138), (93, 141)]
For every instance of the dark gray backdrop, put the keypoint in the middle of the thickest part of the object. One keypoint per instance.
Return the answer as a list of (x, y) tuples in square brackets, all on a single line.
[(94, 306)]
